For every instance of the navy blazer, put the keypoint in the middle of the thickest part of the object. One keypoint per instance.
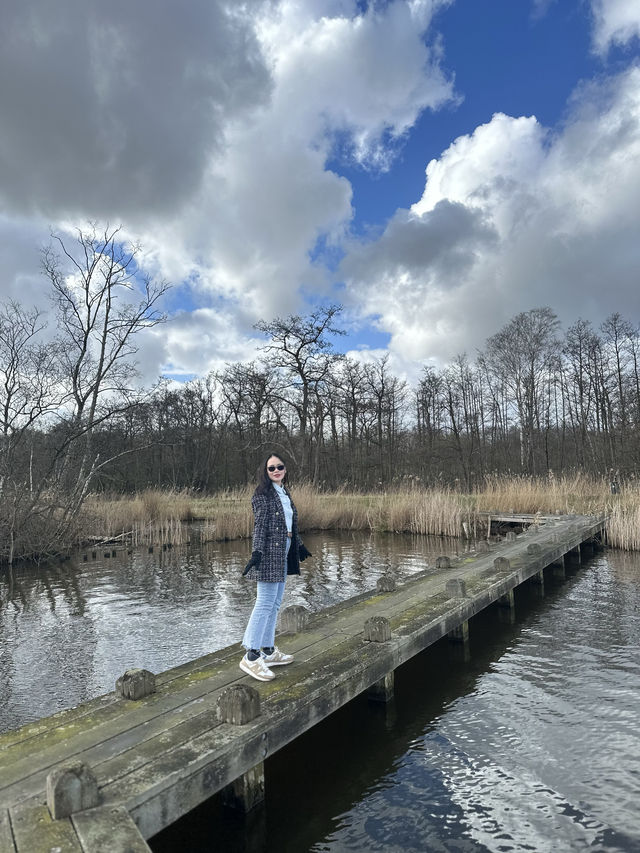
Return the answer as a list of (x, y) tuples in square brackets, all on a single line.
[(270, 538)]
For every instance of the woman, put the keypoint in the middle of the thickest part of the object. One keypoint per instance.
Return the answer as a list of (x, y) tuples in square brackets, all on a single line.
[(277, 552)]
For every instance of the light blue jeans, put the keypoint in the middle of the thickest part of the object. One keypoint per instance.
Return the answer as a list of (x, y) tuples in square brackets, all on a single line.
[(261, 629)]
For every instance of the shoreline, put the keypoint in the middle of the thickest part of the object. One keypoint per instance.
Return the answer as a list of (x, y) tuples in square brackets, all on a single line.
[(165, 517), (155, 516)]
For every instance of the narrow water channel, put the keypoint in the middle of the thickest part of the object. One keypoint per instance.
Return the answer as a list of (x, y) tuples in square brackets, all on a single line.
[(531, 743)]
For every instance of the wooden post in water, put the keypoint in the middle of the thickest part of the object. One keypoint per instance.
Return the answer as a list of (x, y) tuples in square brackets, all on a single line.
[(455, 588), (507, 602), (247, 791), (460, 634), (239, 705), (382, 691), (586, 548), (537, 579), (507, 608), (558, 568), (538, 583), (378, 630), (574, 555)]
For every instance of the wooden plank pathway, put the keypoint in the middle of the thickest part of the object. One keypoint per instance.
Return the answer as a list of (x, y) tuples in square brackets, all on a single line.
[(157, 757)]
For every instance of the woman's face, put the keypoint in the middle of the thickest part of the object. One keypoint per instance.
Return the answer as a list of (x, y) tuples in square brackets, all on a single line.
[(275, 469)]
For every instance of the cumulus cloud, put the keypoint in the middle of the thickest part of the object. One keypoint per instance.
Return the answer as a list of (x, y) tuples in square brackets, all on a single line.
[(116, 109), (369, 74), (193, 343), (208, 135), (512, 217), (615, 22), (336, 73)]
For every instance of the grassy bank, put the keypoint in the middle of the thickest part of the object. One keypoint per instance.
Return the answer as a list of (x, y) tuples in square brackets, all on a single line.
[(159, 516)]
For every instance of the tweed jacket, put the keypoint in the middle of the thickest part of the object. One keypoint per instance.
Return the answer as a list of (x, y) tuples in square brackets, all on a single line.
[(270, 538)]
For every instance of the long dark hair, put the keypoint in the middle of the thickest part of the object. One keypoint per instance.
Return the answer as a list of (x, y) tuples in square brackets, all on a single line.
[(264, 483)]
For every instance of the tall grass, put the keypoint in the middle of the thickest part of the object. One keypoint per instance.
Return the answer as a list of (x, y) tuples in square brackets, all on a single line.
[(550, 495), (623, 525), (158, 516)]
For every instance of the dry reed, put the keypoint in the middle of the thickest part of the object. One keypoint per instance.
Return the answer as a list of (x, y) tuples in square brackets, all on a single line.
[(159, 516)]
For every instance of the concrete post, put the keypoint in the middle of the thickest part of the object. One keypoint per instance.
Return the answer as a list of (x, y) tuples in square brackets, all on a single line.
[(136, 684), (293, 619), (377, 629), (386, 583), (71, 788)]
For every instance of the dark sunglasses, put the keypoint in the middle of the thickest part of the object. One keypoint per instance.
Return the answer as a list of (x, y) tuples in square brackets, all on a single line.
[(273, 468)]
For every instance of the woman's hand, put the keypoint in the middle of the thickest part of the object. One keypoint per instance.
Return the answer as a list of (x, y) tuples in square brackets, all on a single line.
[(256, 557), (303, 553)]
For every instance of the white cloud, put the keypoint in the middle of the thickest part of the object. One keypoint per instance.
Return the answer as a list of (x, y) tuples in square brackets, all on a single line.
[(369, 75), (203, 340), (208, 135), (269, 198), (512, 217), (615, 22)]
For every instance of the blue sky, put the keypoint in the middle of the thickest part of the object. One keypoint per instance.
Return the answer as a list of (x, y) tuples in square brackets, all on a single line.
[(506, 57), (274, 158)]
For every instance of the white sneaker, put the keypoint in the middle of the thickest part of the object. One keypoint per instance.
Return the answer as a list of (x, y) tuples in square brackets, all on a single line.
[(276, 658), (256, 668)]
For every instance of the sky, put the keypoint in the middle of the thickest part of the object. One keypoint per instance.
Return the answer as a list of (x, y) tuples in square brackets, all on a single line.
[(434, 166)]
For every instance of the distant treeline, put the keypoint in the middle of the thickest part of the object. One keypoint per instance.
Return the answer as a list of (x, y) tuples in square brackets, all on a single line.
[(535, 402)]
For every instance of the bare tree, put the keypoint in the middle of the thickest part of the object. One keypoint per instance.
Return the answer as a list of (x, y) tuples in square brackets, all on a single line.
[(102, 301), (30, 392), (54, 394), (301, 349), (523, 354)]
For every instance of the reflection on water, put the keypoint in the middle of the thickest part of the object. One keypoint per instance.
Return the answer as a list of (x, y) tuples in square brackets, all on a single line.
[(532, 744), (69, 630)]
